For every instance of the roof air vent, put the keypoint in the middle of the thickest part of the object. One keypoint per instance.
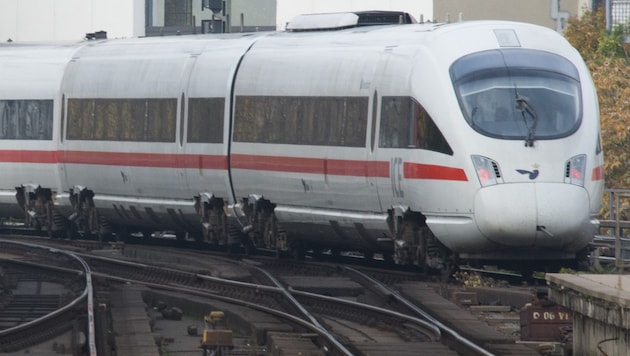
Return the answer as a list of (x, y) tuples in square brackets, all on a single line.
[(343, 20)]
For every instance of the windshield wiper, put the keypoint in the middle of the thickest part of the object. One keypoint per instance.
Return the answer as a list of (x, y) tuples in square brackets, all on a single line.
[(522, 104)]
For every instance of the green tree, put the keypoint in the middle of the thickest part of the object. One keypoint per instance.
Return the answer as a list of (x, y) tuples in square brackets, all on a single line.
[(607, 59)]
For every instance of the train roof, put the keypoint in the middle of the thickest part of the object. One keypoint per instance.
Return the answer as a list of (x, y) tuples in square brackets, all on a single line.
[(448, 38)]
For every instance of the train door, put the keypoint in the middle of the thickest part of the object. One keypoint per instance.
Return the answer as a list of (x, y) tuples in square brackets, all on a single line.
[(182, 126), (389, 165), (375, 166), (396, 131)]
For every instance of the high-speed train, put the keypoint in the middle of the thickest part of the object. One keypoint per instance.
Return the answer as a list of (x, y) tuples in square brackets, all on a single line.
[(423, 142)]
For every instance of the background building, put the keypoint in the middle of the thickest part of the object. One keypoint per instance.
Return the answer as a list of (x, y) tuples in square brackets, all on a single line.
[(46, 20), (70, 20), (548, 13), (168, 17)]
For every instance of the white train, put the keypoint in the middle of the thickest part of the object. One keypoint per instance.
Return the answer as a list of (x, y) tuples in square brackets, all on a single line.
[(423, 142)]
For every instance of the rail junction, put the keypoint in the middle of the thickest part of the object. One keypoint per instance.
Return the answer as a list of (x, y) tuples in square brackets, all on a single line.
[(268, 304), (93, 296)]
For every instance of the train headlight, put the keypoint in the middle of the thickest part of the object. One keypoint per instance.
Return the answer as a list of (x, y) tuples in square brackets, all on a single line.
[(575, 170), (487, 170)]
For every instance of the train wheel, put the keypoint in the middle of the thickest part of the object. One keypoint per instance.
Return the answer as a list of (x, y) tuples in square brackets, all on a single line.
[(298, 251), (447, 271), (249, 247), (122, 234), (317, 254)]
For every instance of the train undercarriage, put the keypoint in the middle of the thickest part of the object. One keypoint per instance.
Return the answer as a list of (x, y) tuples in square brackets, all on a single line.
[(408, 241)]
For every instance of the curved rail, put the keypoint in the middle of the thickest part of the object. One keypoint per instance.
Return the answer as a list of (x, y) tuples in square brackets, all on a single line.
[(143, 276), (87, 294), (287, 294), (394, 294)]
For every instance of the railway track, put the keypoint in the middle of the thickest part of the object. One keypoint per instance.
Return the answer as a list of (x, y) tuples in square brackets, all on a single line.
[(330, 306), (33, 310), (360, 317), (275, 299)]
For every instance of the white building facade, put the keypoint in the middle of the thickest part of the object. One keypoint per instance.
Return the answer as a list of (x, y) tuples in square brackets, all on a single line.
[(68, 20)]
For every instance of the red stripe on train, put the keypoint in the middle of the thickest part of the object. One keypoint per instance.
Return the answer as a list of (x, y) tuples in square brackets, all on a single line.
[(144, 159), (27, 156), (339, 167), (311, 165), (430, 171), (344, 167)]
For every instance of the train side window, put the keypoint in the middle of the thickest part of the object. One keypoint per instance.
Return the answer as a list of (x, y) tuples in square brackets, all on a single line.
[(161, 120), (145, 120), (182, 110), (26, 119), (395, 120), (406, 124), (320, 121), (374, 114), (427, 135), (205, 120), (63, 117)]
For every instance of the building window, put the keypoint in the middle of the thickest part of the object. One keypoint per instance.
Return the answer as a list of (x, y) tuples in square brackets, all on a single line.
[(178, 13)]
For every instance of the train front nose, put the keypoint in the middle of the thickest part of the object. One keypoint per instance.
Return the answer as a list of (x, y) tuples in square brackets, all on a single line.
[(550, 215)]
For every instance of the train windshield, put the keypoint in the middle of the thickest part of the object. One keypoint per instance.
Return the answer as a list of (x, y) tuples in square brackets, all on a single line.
[(518, 94)]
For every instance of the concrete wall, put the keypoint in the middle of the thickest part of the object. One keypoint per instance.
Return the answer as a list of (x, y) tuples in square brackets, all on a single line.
[(590, 335), (47, 20), (601, 310), (259, 14)]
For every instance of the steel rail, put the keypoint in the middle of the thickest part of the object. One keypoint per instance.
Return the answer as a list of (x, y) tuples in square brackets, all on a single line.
[(394, 294), (87, 294)]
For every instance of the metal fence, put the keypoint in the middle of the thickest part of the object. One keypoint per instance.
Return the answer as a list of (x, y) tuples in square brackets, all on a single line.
[(612, 244), (618, 13)]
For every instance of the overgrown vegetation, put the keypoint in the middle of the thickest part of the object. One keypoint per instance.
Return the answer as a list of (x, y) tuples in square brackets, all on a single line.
[(608, 60)]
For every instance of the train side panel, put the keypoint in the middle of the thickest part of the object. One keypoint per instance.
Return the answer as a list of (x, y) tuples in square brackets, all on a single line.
[(208, 118), (303, 111), (29, 114)]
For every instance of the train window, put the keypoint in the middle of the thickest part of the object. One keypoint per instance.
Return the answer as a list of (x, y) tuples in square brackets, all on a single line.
[(63, 116), (518, 94), (147, 120), (321, 121), (182, 110), (26, 119), (374, 114), (406, 124), (205, 120)]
